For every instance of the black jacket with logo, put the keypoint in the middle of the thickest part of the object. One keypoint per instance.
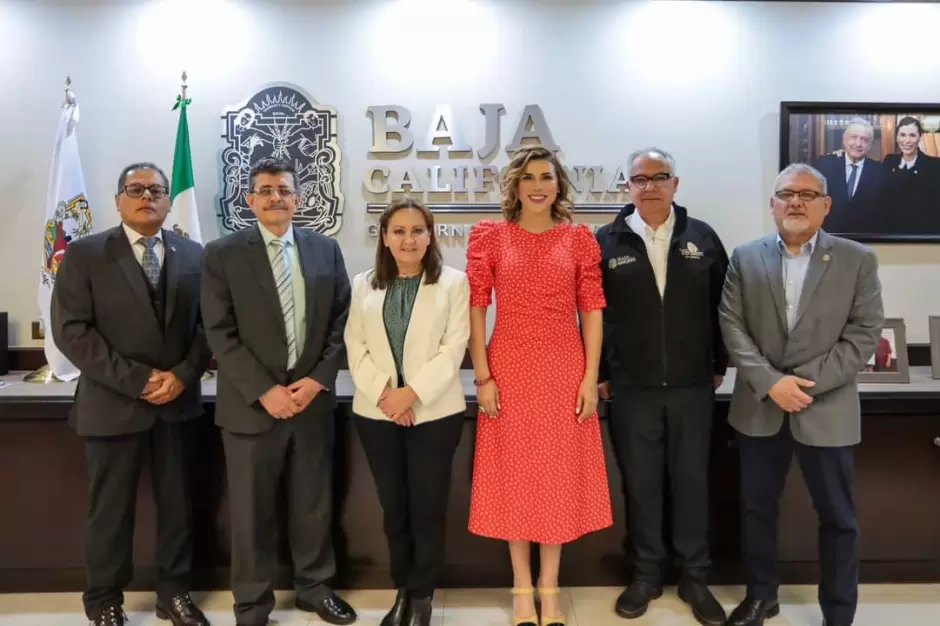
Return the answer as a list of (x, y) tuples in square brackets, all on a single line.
[(669, 341)]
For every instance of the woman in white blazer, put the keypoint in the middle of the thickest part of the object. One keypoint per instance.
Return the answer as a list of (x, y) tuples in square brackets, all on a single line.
[(406, 336)]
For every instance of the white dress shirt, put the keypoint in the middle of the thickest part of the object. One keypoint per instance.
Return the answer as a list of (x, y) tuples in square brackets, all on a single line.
[(134, 237), (848, 172), (657, 243), (907, 165), (794, 274)]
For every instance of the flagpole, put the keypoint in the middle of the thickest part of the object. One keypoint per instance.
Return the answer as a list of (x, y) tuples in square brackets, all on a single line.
[(44, 375), (208, 374)]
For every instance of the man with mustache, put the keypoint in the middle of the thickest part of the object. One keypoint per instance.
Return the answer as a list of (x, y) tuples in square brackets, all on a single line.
[(275, 300), (125, 311), (801, 314), (855, 183), (663, 357)]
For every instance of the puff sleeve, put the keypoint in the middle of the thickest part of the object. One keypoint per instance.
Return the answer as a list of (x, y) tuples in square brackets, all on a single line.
[(480, 267), (589, 283)]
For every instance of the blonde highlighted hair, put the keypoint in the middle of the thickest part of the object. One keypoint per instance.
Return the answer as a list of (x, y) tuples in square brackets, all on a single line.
[(512, 205)]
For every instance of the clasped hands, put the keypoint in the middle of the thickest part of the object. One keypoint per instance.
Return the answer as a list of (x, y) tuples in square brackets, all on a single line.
[(396, 405), (162, 387), (789, 396), (285, 402)]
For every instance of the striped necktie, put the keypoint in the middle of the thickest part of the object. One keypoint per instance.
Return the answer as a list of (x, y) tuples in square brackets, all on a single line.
[(149, 261), (285, 293)]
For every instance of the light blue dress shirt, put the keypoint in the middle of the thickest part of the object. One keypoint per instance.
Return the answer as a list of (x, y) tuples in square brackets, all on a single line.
[(794, 274), (297, 285)]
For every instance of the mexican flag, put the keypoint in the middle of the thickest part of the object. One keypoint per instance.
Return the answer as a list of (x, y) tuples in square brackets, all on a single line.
[(183, 214)]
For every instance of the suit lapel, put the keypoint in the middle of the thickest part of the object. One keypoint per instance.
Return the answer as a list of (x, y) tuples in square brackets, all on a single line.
[(261, 266), (308, 266), (421, 310), (773, 265), (818, 264), (121, 250), (171, 266)]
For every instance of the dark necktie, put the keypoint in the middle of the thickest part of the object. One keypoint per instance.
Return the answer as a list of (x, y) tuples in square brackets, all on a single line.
[(852, 177)]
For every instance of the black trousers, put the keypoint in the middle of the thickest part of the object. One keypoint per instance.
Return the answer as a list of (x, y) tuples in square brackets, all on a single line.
[(113, 465), (412, 470), (660, 432), (300, 452), (829, 474)]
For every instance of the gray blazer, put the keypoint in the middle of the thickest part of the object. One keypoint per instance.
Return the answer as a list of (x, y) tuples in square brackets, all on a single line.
[(245, 326), (839, 322)]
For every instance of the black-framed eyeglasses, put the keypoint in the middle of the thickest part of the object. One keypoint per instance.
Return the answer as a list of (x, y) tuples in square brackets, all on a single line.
[(136, 190), (806, 195), (267, 192), (656, 179)]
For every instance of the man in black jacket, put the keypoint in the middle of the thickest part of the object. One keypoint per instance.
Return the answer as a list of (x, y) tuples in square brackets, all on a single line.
[(663, 357), (125, 311)]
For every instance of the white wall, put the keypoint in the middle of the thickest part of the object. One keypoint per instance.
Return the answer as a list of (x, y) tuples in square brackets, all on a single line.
[(703, 80)]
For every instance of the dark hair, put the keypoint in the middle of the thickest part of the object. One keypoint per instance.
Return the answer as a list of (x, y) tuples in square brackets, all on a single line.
[(907, 121), (272, 166), (143, 165), (386, 269), (512, 206)]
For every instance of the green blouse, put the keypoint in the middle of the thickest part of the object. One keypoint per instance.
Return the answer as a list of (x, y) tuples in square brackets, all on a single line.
[(399, 301)]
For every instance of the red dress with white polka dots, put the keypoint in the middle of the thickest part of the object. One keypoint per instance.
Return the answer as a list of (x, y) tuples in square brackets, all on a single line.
[(538, 474)]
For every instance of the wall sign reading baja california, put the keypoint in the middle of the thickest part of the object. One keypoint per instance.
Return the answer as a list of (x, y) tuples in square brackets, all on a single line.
[(448, 186), (282, 121)]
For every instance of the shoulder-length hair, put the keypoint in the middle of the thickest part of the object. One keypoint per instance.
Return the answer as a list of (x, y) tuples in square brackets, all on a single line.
[(512, 205), (386, 269), (909, 121)]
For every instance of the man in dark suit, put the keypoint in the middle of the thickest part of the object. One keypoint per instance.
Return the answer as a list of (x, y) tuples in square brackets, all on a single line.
[(275, 302), (855, 183), (125, 311)]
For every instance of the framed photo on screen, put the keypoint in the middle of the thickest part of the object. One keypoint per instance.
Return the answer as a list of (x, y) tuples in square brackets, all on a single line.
[(880, 161)]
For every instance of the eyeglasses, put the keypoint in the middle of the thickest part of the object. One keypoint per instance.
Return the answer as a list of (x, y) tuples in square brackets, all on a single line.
[(136, 190), (656, 179), (267, 192), (806, 195)]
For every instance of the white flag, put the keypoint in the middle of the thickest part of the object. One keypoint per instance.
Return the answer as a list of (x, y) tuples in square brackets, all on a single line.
[(68, 217)]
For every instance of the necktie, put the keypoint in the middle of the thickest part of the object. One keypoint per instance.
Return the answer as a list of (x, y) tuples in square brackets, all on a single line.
[(150, 263), (851, 183), (285, 293)]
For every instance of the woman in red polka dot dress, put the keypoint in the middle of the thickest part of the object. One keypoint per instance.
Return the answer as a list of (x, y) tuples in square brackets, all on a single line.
[(539, 473)]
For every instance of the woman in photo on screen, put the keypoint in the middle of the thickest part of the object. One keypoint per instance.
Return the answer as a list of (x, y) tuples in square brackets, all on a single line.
[(539, 474), (406, 338), (911, 203)]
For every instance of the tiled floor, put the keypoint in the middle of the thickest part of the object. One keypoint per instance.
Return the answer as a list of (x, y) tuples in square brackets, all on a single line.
[(881, 605)]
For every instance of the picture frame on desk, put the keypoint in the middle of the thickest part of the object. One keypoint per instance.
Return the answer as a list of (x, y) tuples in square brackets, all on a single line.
[(933, 327), (880, 161), (889, 363)]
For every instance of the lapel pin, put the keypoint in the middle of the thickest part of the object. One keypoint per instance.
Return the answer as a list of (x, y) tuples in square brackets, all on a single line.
[(826, 258)]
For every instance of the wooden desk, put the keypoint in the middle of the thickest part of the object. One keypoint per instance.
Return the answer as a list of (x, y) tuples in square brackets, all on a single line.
[(43, 488)]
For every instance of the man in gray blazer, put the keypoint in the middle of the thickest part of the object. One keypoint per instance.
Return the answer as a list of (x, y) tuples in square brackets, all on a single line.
[(275, 302), (125, 311), (801, 313)]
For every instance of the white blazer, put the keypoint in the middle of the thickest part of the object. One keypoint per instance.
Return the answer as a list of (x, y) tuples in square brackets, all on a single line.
[(435, 345)]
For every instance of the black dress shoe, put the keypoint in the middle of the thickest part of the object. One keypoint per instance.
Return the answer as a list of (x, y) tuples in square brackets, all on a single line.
[(705, 607), (396, 616), (110, 616), (332, 609), (419, 612), (636, 598), (753, 612), (181, 610)]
